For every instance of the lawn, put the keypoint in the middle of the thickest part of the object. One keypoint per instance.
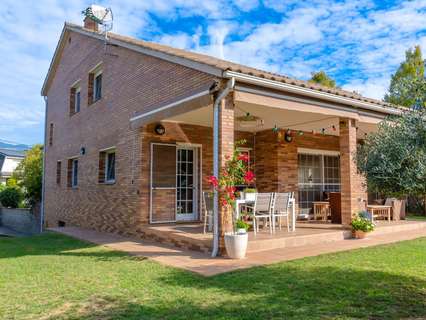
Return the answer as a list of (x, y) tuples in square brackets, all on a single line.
[(55, 277)]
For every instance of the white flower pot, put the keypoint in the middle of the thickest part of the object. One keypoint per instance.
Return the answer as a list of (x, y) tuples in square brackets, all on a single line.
[(250, 196), (236, 245), (241, 231)]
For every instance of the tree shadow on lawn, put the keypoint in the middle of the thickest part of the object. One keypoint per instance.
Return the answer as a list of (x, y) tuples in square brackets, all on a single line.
[(51, 243), (281, 291)]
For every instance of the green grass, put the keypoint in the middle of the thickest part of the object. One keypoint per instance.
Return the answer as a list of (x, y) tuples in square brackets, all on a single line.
[(416, 217), (56, 277)]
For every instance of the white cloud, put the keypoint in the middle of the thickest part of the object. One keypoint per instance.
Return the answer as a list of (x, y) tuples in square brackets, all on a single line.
[(354, 40)]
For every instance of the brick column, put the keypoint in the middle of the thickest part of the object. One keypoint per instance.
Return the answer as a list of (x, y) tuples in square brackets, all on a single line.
[(226, 147), (352, 184)]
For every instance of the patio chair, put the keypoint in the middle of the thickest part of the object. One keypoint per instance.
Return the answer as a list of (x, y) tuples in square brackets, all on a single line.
[(262, 210), (281, 208), (207, 211)]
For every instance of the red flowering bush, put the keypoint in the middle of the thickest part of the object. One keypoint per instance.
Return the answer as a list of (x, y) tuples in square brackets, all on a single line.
[(235, 172)]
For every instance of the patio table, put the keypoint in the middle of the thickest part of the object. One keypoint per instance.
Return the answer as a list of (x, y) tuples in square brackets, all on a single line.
[(250, 203)]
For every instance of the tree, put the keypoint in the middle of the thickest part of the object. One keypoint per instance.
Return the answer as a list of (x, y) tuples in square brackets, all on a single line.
[(393, 159), (322, 78), (408, 84), (29, 174)]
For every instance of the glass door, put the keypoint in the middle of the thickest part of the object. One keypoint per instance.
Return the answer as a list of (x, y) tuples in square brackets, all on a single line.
[(186, 183)]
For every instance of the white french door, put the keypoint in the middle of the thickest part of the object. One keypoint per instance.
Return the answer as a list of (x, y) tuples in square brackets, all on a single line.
[(186, 183)]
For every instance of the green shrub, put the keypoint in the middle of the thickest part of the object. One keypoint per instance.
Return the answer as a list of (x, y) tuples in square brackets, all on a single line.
[(10, 197), (362, 224)]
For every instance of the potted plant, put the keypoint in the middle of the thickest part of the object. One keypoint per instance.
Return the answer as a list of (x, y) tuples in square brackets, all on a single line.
[(234, 173), (361, 226), (241, 226)]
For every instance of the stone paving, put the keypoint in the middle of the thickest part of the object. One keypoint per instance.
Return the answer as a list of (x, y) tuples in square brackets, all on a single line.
[(204, 265)]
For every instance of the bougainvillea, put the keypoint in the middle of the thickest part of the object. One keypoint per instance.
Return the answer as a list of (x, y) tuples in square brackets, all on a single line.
[(235, 172)]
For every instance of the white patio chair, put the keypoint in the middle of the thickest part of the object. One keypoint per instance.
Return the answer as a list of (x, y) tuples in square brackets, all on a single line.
[(262, 210), (207, 211), (281, 208)]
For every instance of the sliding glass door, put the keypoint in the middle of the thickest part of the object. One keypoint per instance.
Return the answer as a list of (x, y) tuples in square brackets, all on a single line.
[(318, 174)]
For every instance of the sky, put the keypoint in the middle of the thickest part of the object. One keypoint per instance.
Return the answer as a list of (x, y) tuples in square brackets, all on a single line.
[(359, 43)]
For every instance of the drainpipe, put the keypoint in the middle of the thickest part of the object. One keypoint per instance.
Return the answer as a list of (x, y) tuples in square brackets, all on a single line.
[(222, 94), (44, 166)]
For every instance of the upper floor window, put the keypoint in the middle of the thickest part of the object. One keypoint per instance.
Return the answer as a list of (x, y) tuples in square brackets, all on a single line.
[(75, 99), (95, 85)]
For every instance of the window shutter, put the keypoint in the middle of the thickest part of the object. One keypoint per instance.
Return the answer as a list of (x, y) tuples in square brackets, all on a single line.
[(72, 101), (102, 160), (90, 89)]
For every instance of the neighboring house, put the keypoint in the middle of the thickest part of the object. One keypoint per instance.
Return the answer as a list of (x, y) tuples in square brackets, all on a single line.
[(130, 124), (9, 160)]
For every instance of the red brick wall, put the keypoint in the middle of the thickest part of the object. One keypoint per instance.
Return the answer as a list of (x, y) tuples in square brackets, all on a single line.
[(132, 83), (352, 184), (276, 160)]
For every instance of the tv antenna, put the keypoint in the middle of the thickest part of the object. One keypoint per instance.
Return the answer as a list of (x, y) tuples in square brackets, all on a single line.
[(102, 16)]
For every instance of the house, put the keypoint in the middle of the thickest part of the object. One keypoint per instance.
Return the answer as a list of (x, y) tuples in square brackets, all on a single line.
[(134, 129), (9, 160)]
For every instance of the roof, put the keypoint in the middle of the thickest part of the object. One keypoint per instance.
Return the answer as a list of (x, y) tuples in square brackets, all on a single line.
[(215, 63), (12, 153)]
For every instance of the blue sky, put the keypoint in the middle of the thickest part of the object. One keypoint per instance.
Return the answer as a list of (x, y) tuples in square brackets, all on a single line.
[(359, 43)]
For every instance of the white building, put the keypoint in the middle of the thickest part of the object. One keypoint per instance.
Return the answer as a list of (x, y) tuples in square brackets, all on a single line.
[(9, 160)]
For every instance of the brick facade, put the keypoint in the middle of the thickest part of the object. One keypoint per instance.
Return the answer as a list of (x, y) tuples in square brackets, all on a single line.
[(133, 83)]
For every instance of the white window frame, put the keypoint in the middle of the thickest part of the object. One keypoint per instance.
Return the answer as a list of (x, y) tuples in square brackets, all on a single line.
[(107, 152), (96, 74)]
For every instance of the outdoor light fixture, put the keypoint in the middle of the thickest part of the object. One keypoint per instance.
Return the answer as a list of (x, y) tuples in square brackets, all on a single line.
[(159, 129)]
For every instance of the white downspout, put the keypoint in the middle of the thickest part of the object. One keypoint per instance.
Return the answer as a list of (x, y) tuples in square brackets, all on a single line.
[(44, 167), (222, 94)]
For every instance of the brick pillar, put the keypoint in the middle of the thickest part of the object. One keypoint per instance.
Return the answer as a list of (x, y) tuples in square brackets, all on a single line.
[(226, 147), (352, 184)]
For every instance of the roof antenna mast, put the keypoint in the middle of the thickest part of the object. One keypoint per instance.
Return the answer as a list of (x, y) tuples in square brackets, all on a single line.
[(102, 16)]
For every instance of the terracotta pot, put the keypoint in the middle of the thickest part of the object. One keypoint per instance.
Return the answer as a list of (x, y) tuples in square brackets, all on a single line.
[(360, 234)]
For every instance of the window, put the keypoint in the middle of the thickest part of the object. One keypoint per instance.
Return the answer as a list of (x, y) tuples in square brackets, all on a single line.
[(72, 172), (95, 85), (75, 99), (107, 166), (97, 90), (58, 172), (51, 134), (318, 174)]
